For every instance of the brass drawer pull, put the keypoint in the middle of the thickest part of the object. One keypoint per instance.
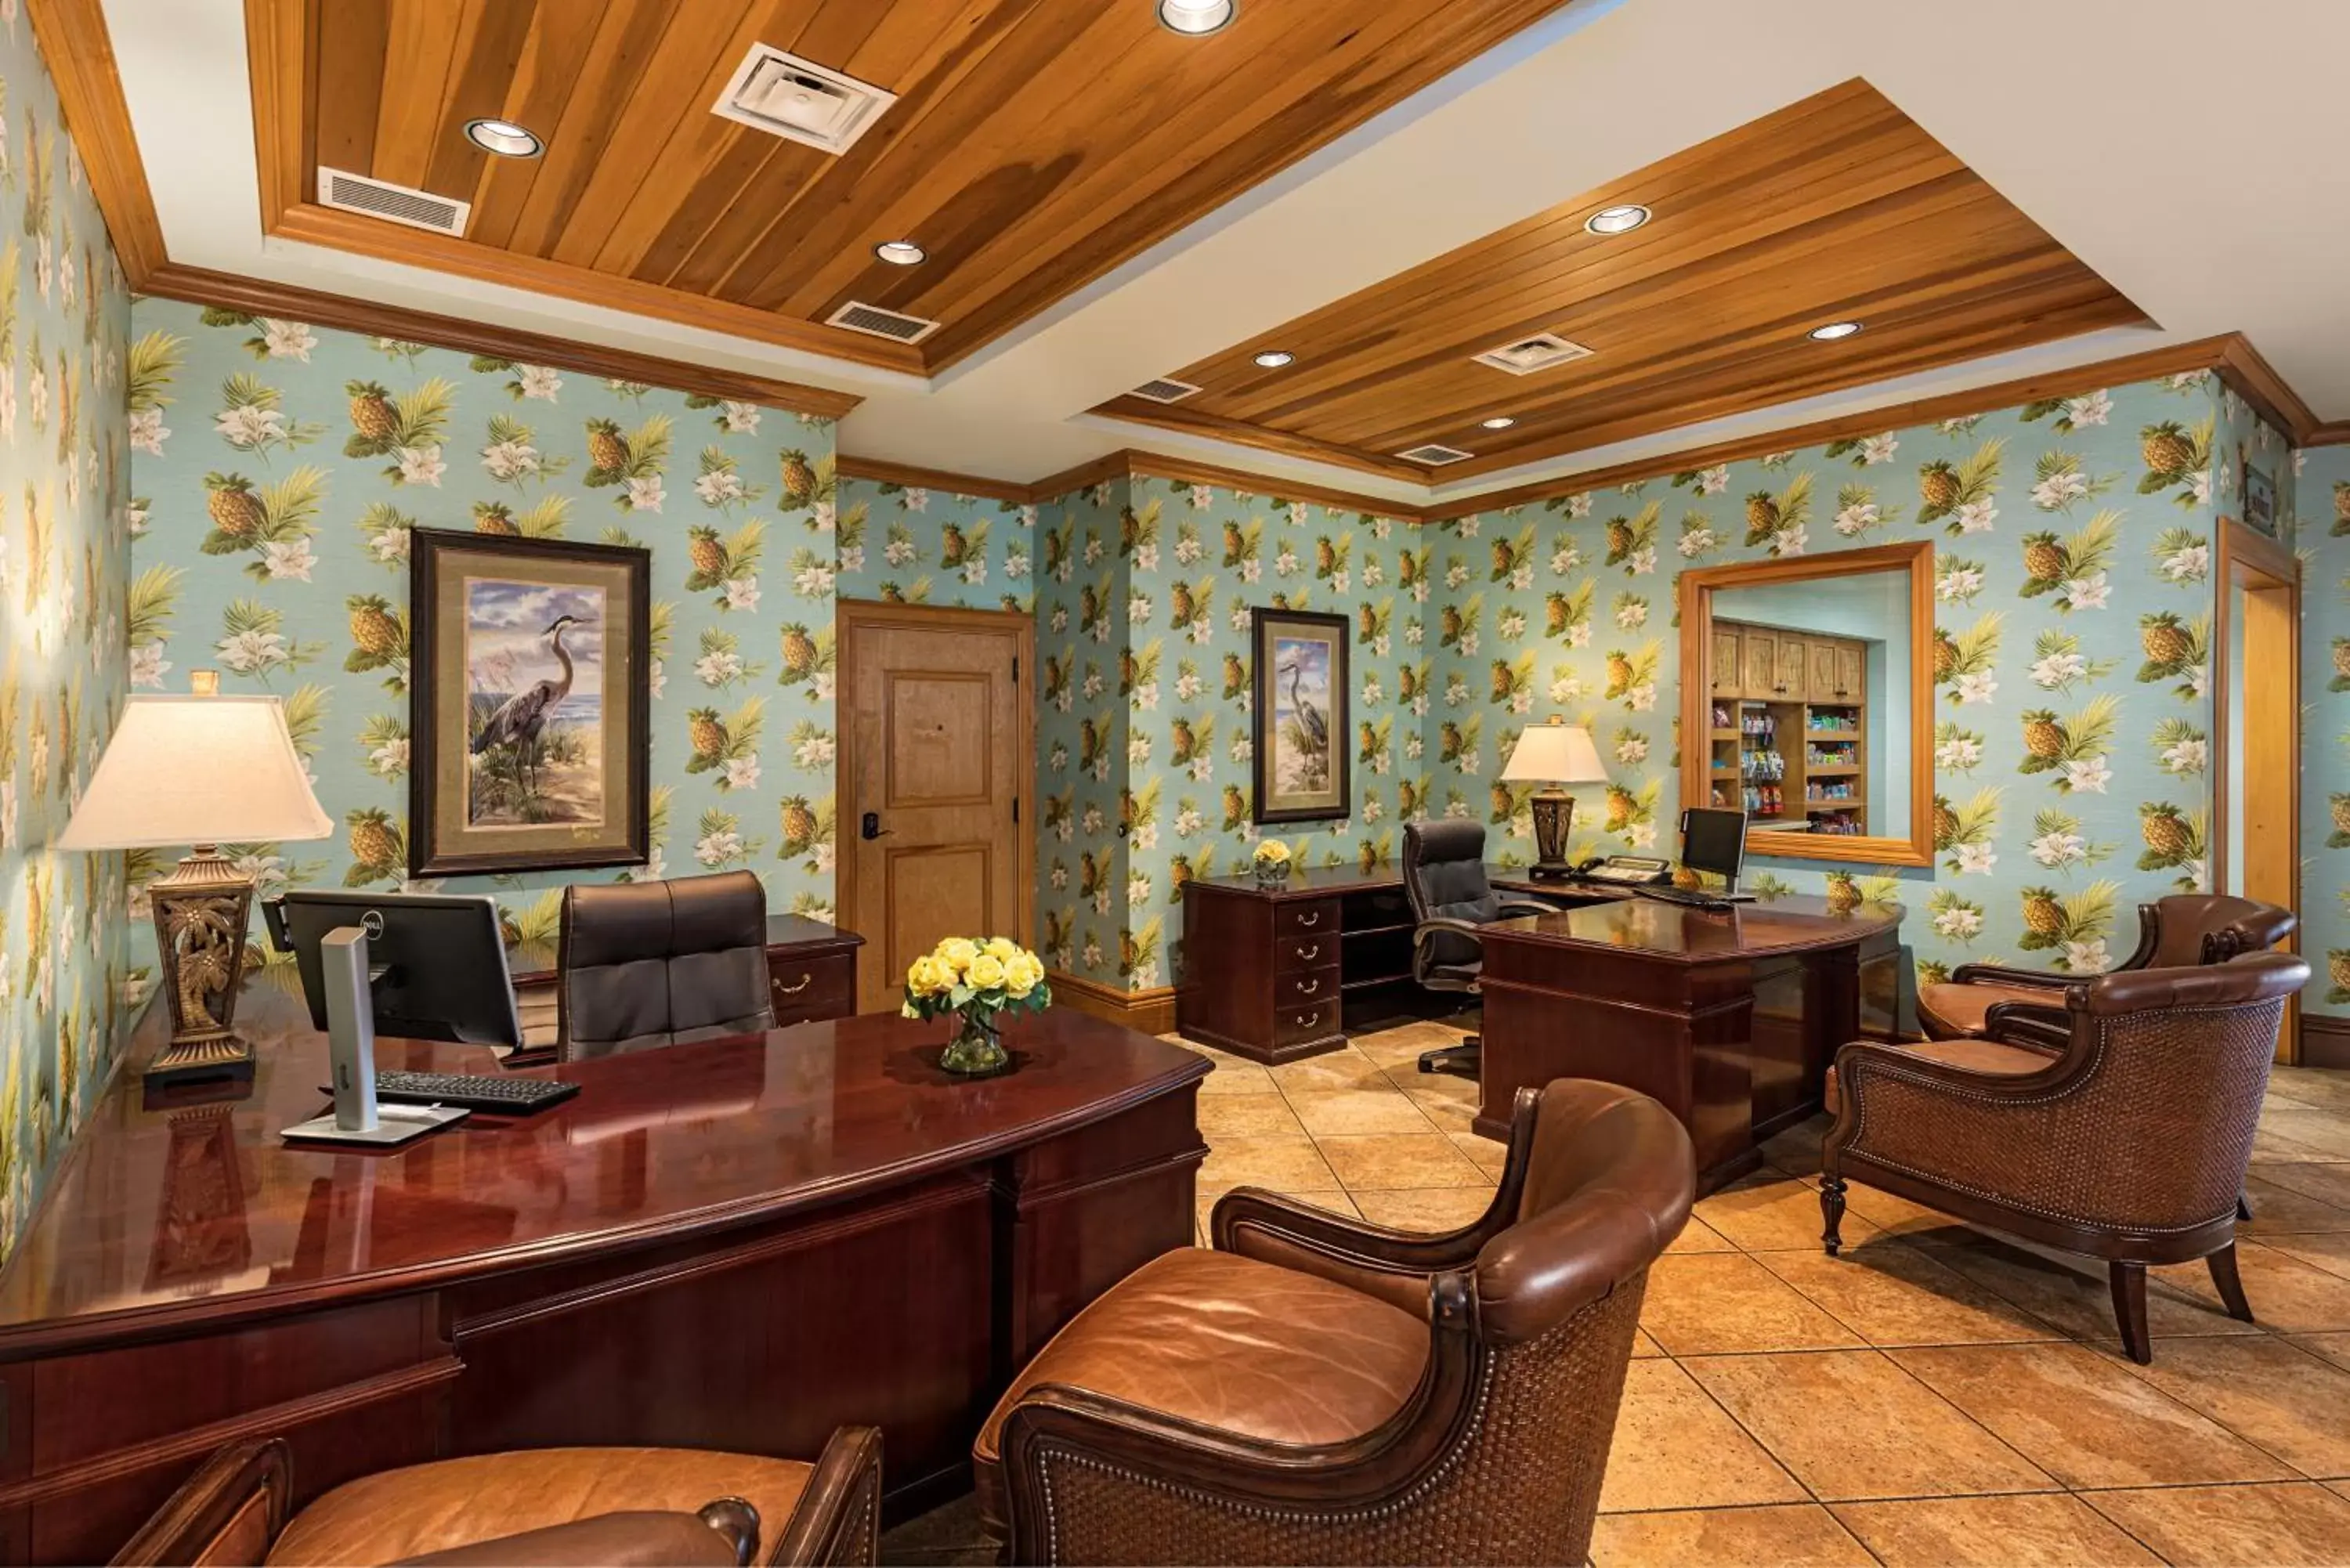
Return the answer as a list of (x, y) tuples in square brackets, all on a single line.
[(1310, 920), (782, 990), (1310, 954), (1306, 1020), (1308, 987)]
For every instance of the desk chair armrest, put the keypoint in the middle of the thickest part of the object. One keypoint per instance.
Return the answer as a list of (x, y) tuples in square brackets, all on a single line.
[(839, 1520), (1395, 1266), (2001, 975), (2028, 1025), (229, 1511), (1511, 907), (1425, 932)]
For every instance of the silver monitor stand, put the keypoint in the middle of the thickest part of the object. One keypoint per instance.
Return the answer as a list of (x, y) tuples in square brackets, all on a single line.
[(351, 1042)]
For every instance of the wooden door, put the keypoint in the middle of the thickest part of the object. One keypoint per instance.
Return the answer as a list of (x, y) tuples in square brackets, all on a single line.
[(1820, 677), (935, 763), (1729, 675), (1762, 660), (1790, 684), (2253, 842), (1851, 671)]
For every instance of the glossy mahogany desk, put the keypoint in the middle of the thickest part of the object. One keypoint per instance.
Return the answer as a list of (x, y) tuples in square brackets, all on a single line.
[(736, 1245), (1731, 1019)]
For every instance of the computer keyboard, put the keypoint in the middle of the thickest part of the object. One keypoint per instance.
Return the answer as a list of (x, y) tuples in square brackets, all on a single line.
[(491, 1097), (1690, 898)]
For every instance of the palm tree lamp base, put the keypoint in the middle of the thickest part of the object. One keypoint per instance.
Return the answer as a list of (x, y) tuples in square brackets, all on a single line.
[(202, 910), (1554, 820)]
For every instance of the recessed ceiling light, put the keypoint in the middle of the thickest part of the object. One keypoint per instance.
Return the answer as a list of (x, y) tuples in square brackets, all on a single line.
[(1275, 358), (503, 137), (901, 252), (1498, 422), (1620, 220), (1196, 17), (1836, 329)]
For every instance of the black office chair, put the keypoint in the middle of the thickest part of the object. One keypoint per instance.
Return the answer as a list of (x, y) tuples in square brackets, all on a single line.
[(1444, 877)]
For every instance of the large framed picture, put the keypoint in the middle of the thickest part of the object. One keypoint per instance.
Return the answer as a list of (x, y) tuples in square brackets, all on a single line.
[(529, 704), (1301, 711)]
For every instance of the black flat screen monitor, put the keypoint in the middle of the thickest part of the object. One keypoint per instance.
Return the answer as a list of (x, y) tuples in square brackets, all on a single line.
[(440, 960), (1714, 840)]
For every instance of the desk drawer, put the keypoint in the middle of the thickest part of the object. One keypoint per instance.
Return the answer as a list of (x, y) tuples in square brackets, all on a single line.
[(1312, 951), (1295, 1023), (1303, 988), (1306, 917), (804, 990)]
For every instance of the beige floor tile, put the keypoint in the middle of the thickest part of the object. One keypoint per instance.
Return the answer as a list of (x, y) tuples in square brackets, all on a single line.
[(1430, 1210), (2334, 1347), (1790, 1535), (1237, 1078), (2321, 1088), (1797, 1150), (1642, 1346), (1290, 1164), (2070, 1294), (1382, 1110), (1399, 1049), (1388, 1162), (1697, 1236), (1450, 1103), (1891, 1294), (2026, 1530), (2221, 1526), (1486, 1154), (2327, 1249), (1247, 1115), (1675, 1447), (2328, 1183), (1895, 1216), (1851, 1426), (1704, 1304), (1774, 1213), (2290, 1402), (2286, 1293), (2271, 1145), (2085, 1420), (1346, 1068), (2298, 1198), (2326, 1131)]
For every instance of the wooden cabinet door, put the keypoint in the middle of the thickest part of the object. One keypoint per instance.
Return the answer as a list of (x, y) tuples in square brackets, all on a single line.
[(1728, 674), (1820, 669), (1761, 651), (1790, 685), (1851, 672)]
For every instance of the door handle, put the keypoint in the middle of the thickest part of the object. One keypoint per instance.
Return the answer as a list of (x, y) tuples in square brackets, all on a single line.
[(870, 828)]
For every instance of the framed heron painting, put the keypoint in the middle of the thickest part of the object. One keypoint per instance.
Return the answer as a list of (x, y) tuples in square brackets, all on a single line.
[(529, 704), (1301, 708)]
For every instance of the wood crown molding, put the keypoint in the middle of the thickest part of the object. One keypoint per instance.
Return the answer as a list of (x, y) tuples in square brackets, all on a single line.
[(876, 472), (255, 297), (1132, 464), (73, 40)]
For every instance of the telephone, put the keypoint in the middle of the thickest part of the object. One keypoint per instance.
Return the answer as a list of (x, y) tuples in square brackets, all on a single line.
[(1631, 870)]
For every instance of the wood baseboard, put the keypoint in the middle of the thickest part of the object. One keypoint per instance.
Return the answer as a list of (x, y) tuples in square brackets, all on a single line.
[(2324, 1042), (1149, 1011)]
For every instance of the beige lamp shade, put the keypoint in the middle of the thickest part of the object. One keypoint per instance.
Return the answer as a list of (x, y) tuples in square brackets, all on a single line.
[(197, 770), (1556, 753)]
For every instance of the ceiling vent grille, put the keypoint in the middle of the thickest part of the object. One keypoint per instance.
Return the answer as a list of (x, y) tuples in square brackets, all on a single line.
[(1435, 455), (393, 203), (1165, 389), (800, 100), (1538, 352), (876, 322)]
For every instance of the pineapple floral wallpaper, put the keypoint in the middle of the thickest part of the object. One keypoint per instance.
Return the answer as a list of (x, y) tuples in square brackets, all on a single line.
[(278, 469), (2322, 492), (64, 323)]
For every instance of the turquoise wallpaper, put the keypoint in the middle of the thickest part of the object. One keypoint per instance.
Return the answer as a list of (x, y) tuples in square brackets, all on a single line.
[(2323, 496), (2071, 736), (1084, 684), (910, 545), (65, 359), (279, 469)]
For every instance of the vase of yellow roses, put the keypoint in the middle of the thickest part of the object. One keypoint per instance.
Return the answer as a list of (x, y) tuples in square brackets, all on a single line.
[(1272, 862), (975, 979)]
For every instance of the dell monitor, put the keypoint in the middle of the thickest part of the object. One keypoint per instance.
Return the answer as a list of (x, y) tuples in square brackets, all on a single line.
[(1714, 840)]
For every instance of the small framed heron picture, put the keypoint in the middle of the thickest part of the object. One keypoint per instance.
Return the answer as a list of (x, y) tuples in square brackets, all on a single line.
[(530, 697), (1301, 714)]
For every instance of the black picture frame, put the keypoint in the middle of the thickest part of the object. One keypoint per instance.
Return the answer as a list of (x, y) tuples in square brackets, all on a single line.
[(2260, 498), (1335, 800), (437, 846)]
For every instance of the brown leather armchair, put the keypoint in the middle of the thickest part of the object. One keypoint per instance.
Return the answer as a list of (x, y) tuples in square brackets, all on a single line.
[(1316, 1389), (2174, 931), (645, 965), (2131, 1145), (540, 1506)]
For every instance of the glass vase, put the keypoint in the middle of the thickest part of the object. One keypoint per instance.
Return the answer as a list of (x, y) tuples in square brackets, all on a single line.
[(976, 1048)]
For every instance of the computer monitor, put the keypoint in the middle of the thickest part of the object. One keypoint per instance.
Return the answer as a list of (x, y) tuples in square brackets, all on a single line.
[(1714, 840), (437, 960)]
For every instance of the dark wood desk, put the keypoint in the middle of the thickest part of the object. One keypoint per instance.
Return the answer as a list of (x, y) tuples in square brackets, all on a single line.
[(739, 1244), (811, 975), (1730, 1019)]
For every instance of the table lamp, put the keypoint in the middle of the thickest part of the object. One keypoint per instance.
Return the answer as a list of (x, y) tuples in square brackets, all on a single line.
[(1553, 753), (198, 770)]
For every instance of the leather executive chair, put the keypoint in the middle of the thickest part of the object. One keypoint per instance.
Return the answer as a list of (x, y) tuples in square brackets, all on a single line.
[(1317, 1390), (644, 964), (1444, 877), (2131, 1145), (556, 1507)]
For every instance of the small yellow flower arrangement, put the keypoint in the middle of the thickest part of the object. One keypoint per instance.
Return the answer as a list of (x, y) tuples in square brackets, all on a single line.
[(975, 979), (1271, 860)]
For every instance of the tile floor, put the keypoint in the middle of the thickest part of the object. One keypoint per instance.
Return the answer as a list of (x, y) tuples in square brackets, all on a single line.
[(1935, 1396)]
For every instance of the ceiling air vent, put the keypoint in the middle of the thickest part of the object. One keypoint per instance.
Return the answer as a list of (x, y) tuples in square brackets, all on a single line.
[(1538, 352), (1434, 455), (1165, 389), (876, 322), (393, 203), (787, 96)]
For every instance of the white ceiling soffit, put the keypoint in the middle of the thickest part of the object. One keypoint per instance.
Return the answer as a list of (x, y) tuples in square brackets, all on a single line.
[(2077, 113)]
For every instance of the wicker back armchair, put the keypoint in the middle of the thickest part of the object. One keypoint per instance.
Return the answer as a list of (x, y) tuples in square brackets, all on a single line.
[(1320, 1390), (2129, 1146)]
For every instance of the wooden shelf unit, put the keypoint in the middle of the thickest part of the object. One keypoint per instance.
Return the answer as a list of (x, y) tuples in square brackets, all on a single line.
[(1804, 693)]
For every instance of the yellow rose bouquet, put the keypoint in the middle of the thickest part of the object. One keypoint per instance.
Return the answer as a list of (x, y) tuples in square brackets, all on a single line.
[(1271, 860), (975, 979)]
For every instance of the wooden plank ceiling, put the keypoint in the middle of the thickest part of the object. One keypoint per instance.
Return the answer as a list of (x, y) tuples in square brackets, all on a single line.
[(1836, 208), (1036, 144)]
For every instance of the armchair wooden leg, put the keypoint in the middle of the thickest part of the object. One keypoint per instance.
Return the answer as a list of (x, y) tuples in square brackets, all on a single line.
[(2230, 1283), (1832, 1213), (2243, 1206), (2128, 1281)]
